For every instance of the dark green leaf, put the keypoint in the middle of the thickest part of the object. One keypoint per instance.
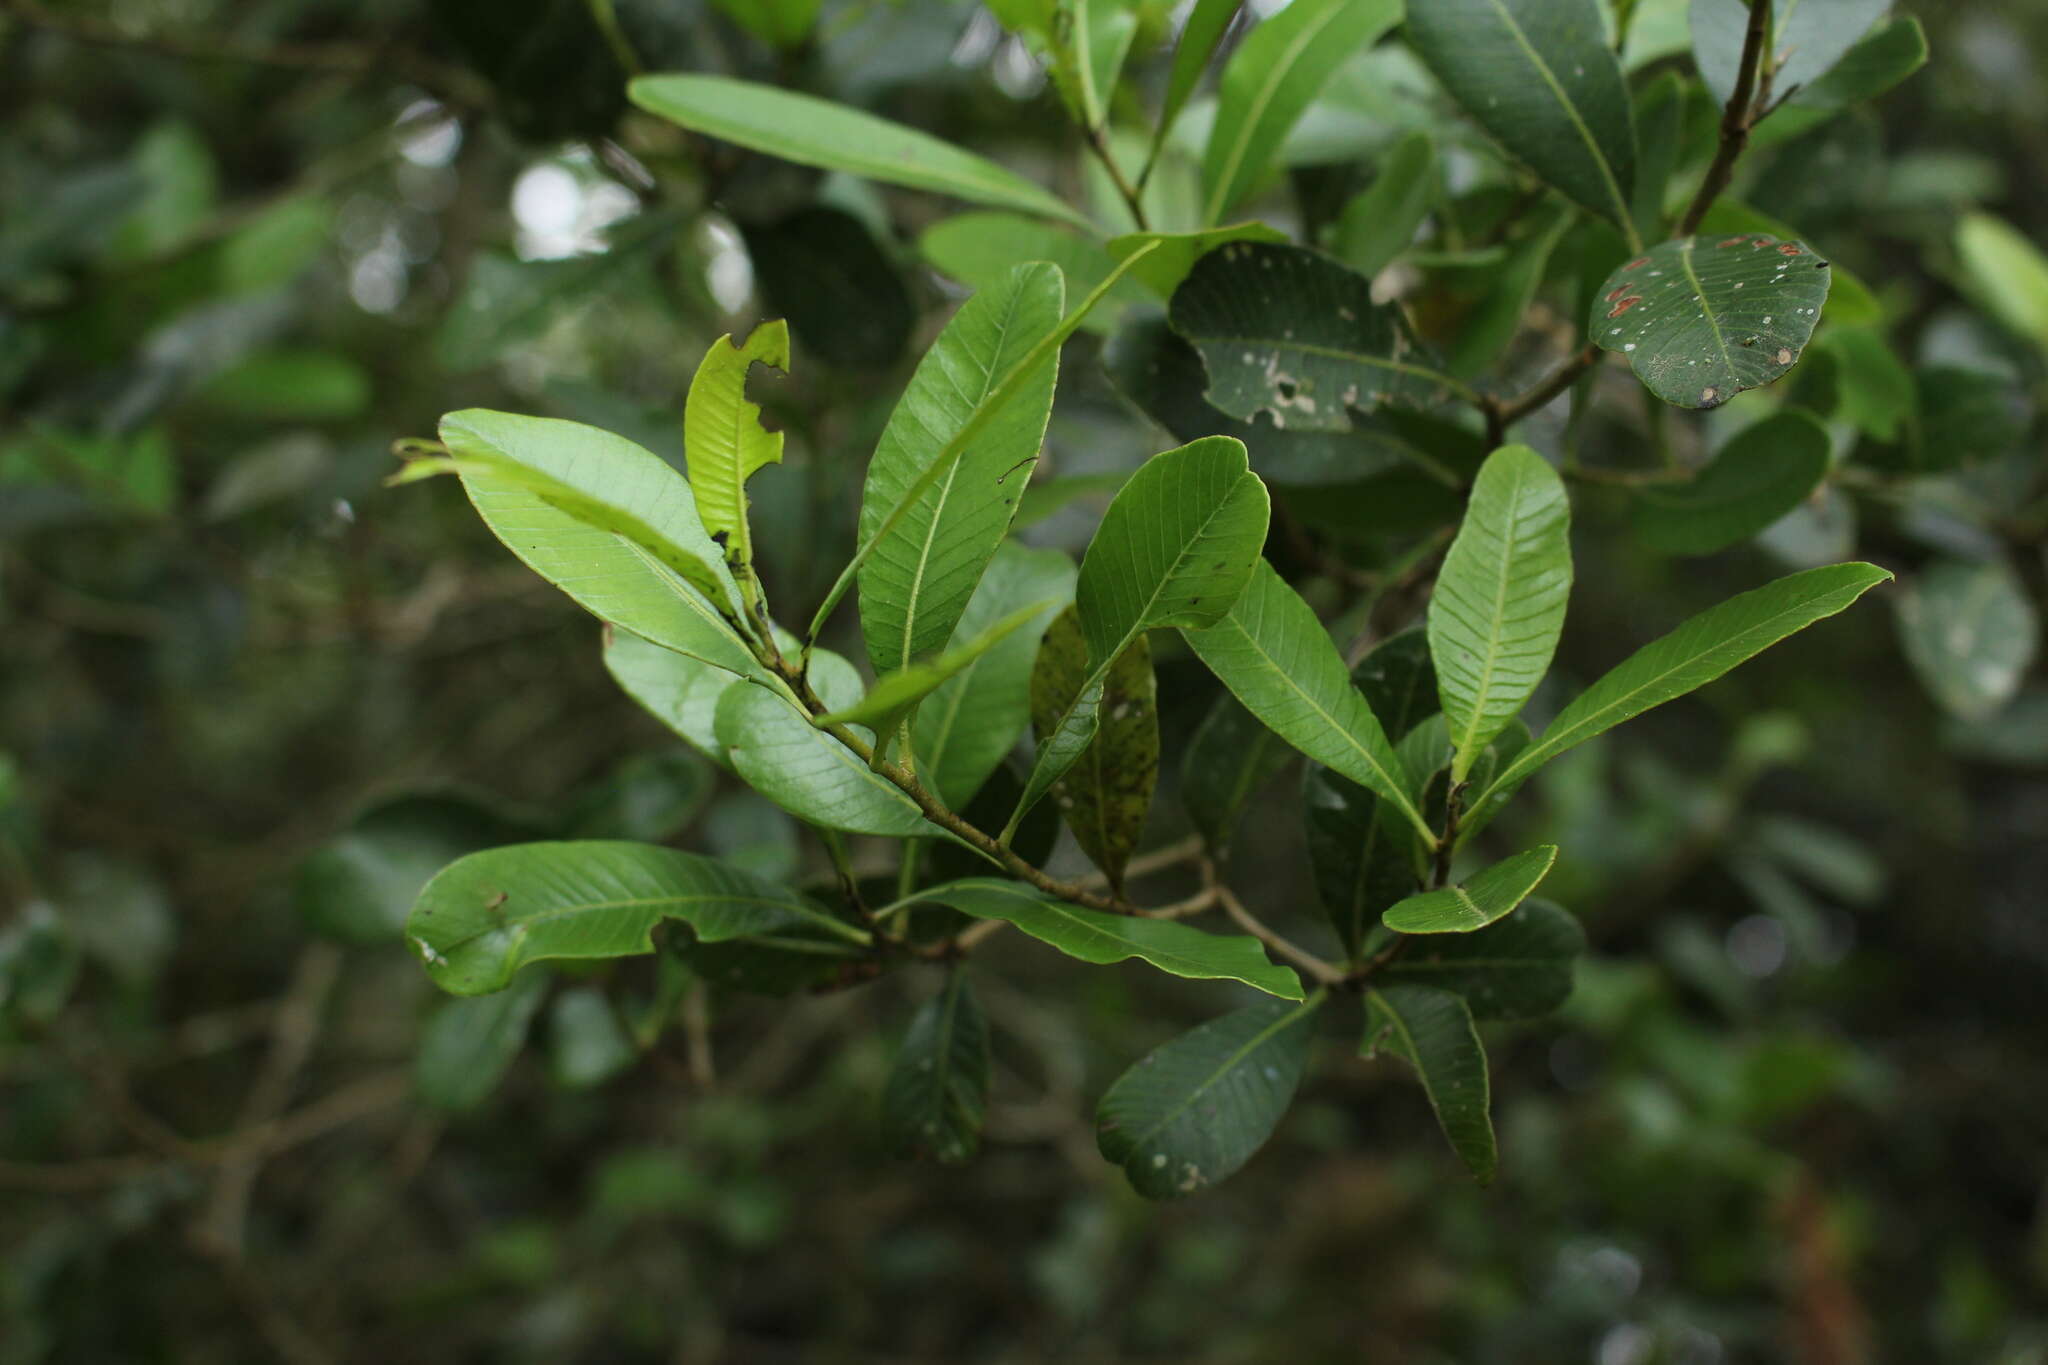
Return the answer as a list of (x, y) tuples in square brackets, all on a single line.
[(1230, 758), (938, 1087), (1761, 474), (469, 1045), (1808, 38), (819, 268), (1173, 254), (1515, 968), (1380, 222), (1107, 793), (1432, 1031), (1970, 633)]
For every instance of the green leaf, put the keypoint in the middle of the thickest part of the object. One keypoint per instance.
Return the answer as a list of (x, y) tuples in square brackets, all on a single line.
[(485, 916), (1519, 967), (1764, 471), (1702, 319), (1850, 302), (1970, 632), (1380, 222), (1499, 602), (1092, 936), (1483, 898), (1195, 1109), (817, 132), (1498, 316), (1539, 76), (1432, 1031), (980, 250), (963, 730), (469, 1045), (587, 1045), (1200, 35), (678, 690), (937, 1091), (1873, 387), (1228, 760), (779, 23), (1175, 548), (1274, 656), (1880, 60), (2007, 272), (1290, 332), (723, 436), (39, 963), (1100, 33), (935, 507), (1690, 657), (1661, 124), (1808, 38), (289, 386), (893, 694), (1271, 80), (358, 887), (1107, 793), (1174, 254)]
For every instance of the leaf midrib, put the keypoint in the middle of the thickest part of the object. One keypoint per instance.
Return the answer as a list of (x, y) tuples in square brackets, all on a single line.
[(1477, 717), (1707, 309)]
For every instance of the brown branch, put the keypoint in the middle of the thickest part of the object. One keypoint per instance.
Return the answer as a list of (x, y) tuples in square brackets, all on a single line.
[(1504, 413), (1325, 973), (1736, 120)]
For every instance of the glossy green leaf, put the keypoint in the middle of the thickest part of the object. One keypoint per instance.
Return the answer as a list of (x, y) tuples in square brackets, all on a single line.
[(358, 887), (1106, 794), (1270, 81), (1230, 757), (1519, 967), (1970, 632), (678, 690), (1808, 38), (1432, 1031), (1690, 657), (1763, 472), (934, 509), (1539, 76), (723, 438), (1195, 1109), (587, 1043), (469, 1045), (485, 916), (1476, 902), (937, 1091), (1092, 936), (1499, 602), (818, 132), (1703, 318), (1380, 222), (1174, 254), (2008, 273), (1274, 656)]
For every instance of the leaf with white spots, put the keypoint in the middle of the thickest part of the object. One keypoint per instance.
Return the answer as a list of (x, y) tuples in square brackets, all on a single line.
[(1703, 318), (1970, 633), (1195, 1109)]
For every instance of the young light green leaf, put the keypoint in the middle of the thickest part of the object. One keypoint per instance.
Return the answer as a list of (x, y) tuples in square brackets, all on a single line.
[(1288, 331), (2008, 273), (485, 916), (1107, 793), (1092, 936), (937, 1091), (1702, 319), (1970, 633), (1274, 656), (817, 132), (723, 438), (1270, 80), (1519, 967), (1432, 1031), (1380, 221), (469, 1045), (1499, 602), (1808, 38), (1206, 24), (1195, 1109), (1690, 657), (1483, 898), (895, 693), (1229, 758), (1540, 77), (1762, 473), (935, 506), (1173, 254)]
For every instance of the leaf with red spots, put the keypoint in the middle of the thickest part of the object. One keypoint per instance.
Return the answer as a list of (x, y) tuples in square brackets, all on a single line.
[(1703, 318)]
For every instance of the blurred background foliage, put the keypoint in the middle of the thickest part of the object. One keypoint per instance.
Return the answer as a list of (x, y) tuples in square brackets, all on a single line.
[(249, 699)]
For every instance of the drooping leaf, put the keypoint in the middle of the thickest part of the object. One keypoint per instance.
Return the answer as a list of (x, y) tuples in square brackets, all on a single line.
[(723, 438), (1703, 318), (1539, 76), (1763, 472), (1106, 794), (923, 564), (358, 887), (1519, 967), (1482, 898), (1228, 760), (1432, 1031), (469, 1045), (1690, 657), (1174, 254), (1289, 332), (938, 1088), (485, 916), (1274, 656), (1499, 602), (1970, 632), (1808, 38), (2008, 273), (1965, 417), (818, 132), (1092, 936), (1380, 221), (1270, 80), (1195, 1109)]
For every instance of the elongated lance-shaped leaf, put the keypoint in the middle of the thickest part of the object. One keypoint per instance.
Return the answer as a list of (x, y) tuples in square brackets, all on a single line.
[(1808, 37), (1480, 900), (923, 564), (1289, 332), (723, 439), (1540, 77), (1195, 1109), (1380, 222), (1175, 548), (818, 132), (1692, 656), (607, 522), (1092, 936), (1763, 472), (1274, 656), (1105, 796), (1499, 602), (1270, 80), (1206, 24), (1014, 381), (485, 916), (1432, 1031), (1703, 318), (937, 1092), (469, 1045), (1518, 967)]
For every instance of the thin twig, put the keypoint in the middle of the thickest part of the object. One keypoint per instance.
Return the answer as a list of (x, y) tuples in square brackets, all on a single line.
[(1736, 120), (1099, 145), (1325, 973), (1504, 413)]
